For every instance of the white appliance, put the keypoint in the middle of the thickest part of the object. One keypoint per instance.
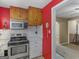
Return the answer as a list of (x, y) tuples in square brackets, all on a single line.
[(18, 25), (18, 47)]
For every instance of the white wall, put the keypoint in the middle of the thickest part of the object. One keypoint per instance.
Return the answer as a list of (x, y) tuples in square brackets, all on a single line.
[(59, 56), (35, 41), (72, 26), (4, 38), (57, 33)]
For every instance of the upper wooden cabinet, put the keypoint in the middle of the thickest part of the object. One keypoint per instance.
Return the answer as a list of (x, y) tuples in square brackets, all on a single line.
[(17, 13), (34, 16)]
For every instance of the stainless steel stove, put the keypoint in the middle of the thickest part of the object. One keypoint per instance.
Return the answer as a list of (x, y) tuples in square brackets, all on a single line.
[(18, 47)]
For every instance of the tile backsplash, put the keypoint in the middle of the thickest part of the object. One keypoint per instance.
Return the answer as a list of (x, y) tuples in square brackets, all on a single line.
[(4, 34), (29, 32)]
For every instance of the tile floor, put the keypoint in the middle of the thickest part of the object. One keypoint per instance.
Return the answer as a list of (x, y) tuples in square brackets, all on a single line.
[(72, 46), (59, 56), (71, 51)]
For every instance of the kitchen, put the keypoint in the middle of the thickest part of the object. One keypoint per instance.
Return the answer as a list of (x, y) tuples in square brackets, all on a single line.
[(21, 29), (18, 26)]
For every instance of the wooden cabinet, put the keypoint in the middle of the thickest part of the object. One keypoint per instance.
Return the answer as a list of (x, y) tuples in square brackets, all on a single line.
[(14, 13), (4, 18), (34, 16), (22, 13), (17, 13)]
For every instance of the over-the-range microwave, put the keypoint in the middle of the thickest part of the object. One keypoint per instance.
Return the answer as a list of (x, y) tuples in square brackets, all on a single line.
[(18, 25)]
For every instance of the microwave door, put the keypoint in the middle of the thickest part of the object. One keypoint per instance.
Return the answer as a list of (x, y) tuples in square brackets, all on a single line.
[(16, 25)]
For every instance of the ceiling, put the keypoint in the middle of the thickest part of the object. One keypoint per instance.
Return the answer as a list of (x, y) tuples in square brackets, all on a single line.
[(24, 3), (69, 9)]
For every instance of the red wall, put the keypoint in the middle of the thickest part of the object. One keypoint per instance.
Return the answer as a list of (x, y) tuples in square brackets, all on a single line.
[(46, 34), (4, 17), (47, 39)]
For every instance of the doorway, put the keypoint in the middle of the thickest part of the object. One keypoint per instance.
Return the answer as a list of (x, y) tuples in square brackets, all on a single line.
[(67, 29)]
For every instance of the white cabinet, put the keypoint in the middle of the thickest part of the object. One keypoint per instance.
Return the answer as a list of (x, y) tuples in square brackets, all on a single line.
[(35, 41)]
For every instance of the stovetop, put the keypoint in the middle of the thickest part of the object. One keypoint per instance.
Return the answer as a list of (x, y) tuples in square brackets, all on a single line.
[(23, 38), (19, 40)]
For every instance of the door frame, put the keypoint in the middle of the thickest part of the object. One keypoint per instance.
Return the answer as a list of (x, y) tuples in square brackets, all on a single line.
[(53, 26), (51, 18)]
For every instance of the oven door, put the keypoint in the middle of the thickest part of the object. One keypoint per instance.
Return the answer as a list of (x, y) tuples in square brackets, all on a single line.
[(19, 52)]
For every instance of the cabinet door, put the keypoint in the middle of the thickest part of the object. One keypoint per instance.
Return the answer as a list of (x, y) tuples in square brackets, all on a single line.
[(38, 17), (18, 13), (14, 12), (23, 14), (34, 16)]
